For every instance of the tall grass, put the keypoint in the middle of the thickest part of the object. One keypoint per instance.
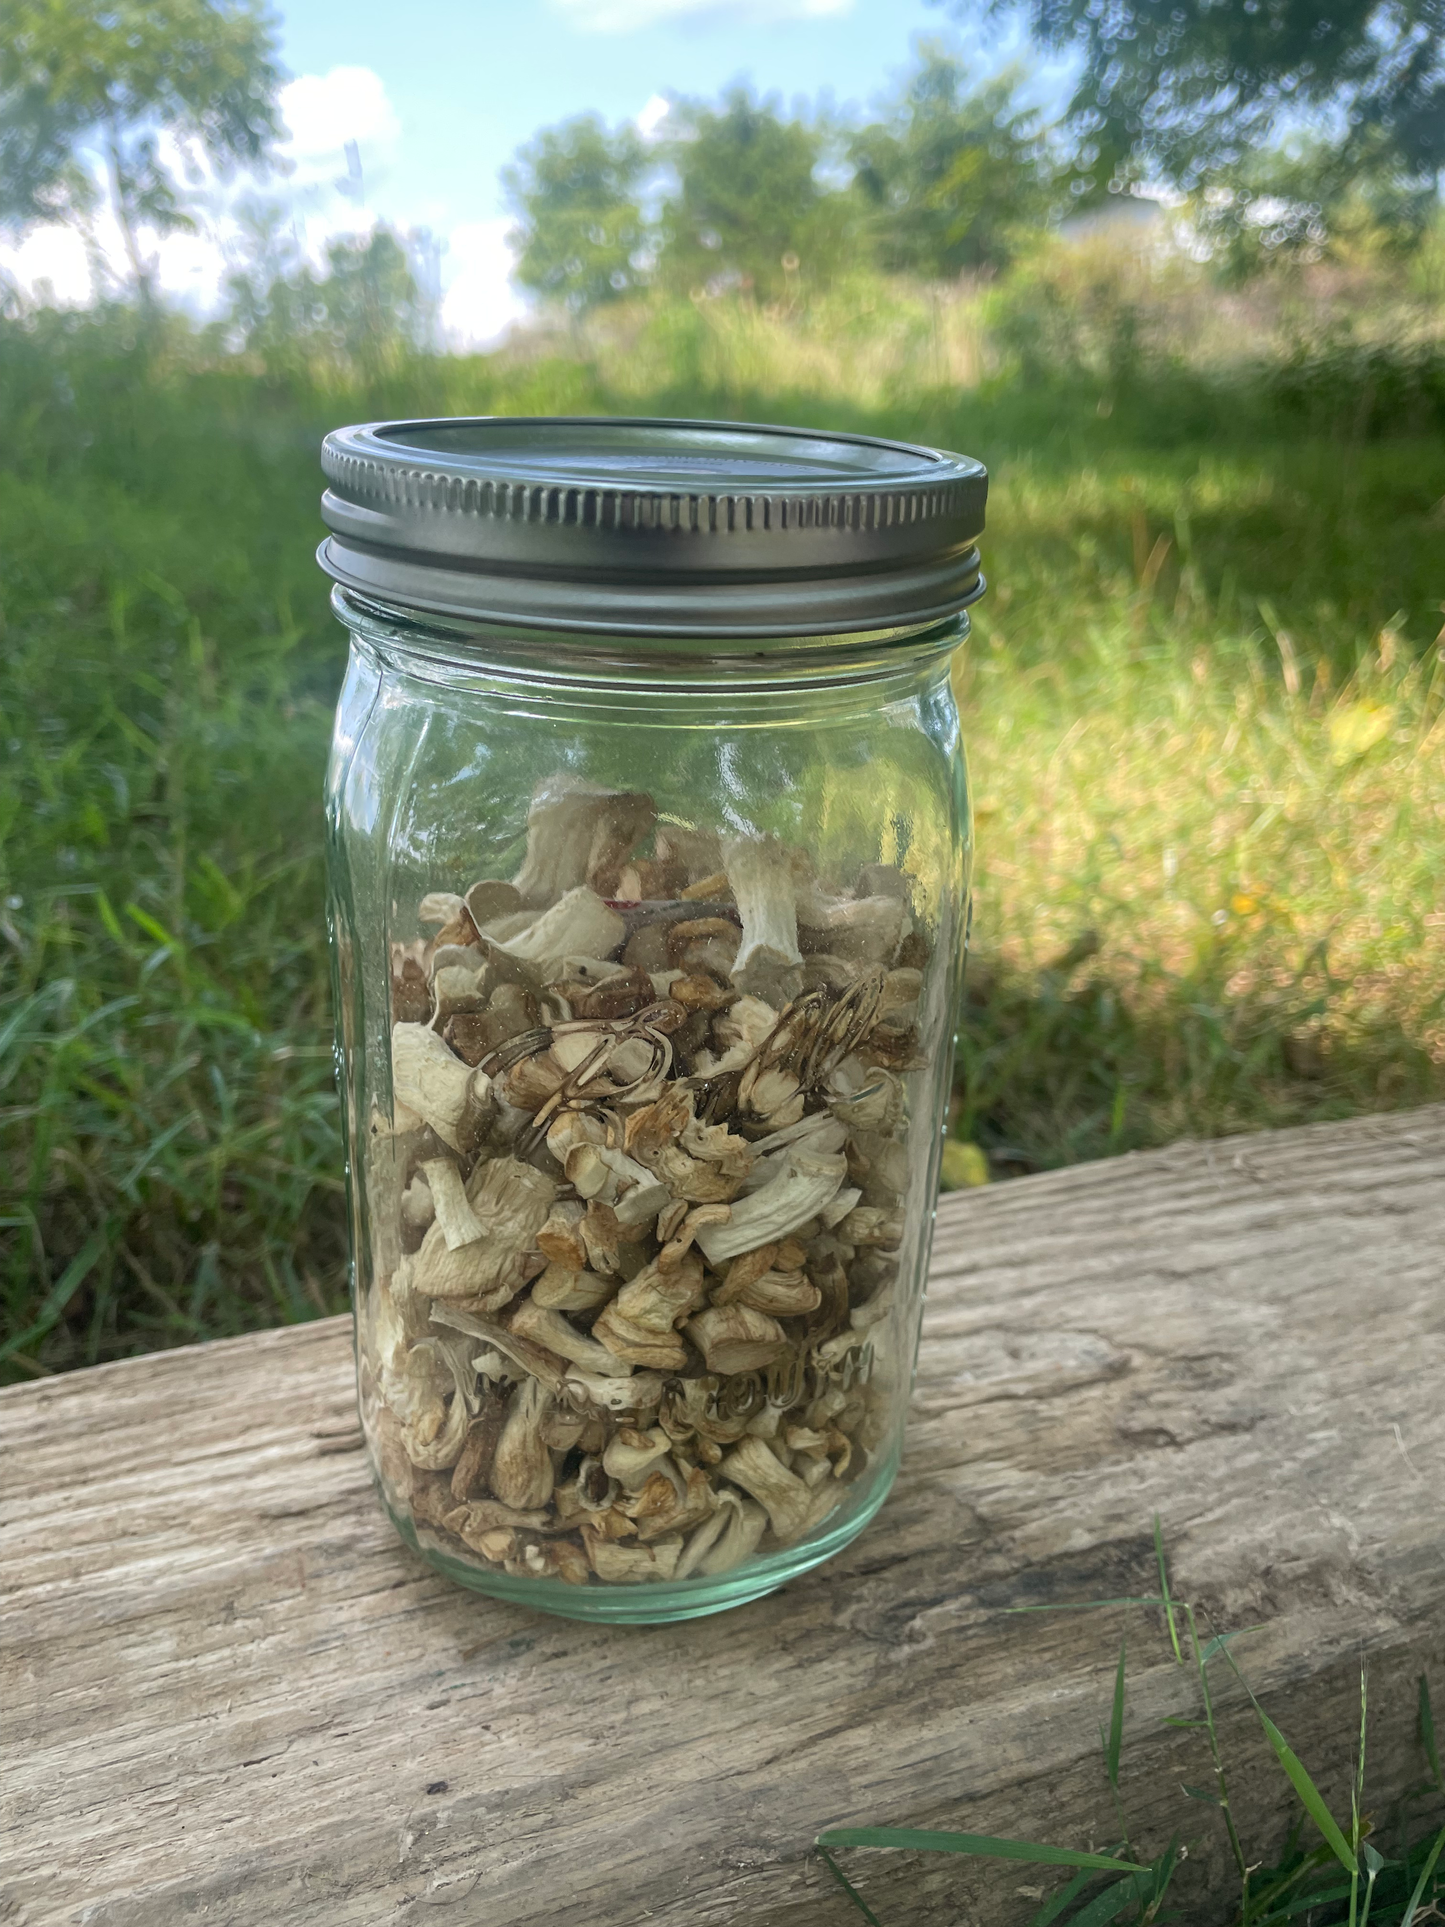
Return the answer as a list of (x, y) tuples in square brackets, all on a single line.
[(1203, 698)]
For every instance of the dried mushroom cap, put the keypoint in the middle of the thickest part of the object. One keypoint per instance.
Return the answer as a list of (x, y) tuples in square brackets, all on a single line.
[(630, 1564), (784, 1294), (709, 1166), (701, 993), (452, 1213), (458, 989), (769, 963), (579, 833), (410, 993), (791, 1506), (438, 1087), (669, 1501), (631, 1456), (475, 1459), (467, 1271), (507, 1204), (860, 930), (735, 1338), (695, 854), (602, 1237), (490, 900), (521, 1472), (705, 1536), (417, 1205), (746, 1524), (834, 1213), (617, 992), (481, 1516), (511, 1201), (423, 1391), (560, 1238), (561, 1288), (531, 1359), (673, 1252), (640, 1393), (440, 907), (639, 1323), (867, 1225), (550, 1328), (579, 924), (798, 1191), (652, 1128)]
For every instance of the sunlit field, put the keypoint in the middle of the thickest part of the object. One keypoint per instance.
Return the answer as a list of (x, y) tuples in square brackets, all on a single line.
[(1203, 698)]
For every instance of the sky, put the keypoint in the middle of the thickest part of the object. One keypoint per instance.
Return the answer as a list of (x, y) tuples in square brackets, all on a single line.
[(438, 97)]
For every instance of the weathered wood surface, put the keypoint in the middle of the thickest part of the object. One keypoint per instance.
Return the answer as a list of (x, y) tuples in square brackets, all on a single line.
[(229, 1694)]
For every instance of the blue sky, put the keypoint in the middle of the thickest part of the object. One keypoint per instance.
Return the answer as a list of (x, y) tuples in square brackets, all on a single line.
[(437, 97), (469, 80)]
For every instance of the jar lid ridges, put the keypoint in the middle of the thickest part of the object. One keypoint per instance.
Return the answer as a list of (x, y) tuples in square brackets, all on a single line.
[(579, 524)]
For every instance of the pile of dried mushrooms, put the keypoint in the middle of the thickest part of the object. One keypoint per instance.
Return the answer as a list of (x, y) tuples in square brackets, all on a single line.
[(636, 1209)]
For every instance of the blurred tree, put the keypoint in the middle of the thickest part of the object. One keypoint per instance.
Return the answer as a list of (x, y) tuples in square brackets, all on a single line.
[(748, 210), (581, 234), (1309, 200), (91, 85), (362, 314), (949, 178), (1184, 87)]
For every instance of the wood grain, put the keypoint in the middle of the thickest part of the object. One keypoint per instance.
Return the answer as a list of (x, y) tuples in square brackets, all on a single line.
[(228, 1693)]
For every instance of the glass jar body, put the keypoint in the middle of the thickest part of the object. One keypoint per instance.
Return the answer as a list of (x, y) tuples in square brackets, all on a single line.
[(646, 980)]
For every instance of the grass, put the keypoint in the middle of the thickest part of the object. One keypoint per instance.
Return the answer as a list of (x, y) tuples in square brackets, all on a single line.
[(1329, 1873), (1203, 699)]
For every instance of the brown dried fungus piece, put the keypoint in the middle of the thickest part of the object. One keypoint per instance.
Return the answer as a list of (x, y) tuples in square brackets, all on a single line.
[(639, 1197)]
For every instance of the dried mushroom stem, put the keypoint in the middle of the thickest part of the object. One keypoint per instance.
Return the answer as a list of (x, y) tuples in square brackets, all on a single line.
[(639, 1198)]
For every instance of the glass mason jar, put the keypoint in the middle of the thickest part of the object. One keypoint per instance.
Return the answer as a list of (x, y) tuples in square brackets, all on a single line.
[(649, 860)]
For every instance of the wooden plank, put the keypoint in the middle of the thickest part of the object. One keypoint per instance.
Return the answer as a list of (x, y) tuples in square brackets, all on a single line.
[(230, 1694)]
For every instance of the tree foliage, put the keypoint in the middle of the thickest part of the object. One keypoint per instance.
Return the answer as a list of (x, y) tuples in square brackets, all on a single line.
[(363, 310), (948, 178), (1308, 200), (574, 190), (1185, 87), (748, 209), (87, 85)]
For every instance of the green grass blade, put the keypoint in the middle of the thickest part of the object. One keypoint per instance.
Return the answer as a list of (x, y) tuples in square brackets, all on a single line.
[(1108, 1905), (1309, 1793), (1056, 1904), (1116, 1722), (847, 1885), (1423, 1882), (1427, 1734), (1090, 1605), (1219, 1643), (59, 1295), (926, 1840), (1166, 1600), (1374, 1862)]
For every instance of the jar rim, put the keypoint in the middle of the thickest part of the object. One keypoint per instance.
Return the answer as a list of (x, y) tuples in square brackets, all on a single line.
[(676, 534), (582, 660)]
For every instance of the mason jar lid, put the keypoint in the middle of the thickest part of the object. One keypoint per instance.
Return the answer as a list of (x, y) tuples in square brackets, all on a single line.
[(652, 528)]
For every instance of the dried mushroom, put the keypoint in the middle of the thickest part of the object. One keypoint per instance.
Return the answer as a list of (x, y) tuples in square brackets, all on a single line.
[(639, 1199)]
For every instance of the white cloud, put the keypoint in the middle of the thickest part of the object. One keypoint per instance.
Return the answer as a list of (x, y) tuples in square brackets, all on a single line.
[(480, 303), (325, 111), (649, 121), (50, 264), (626, 16)]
